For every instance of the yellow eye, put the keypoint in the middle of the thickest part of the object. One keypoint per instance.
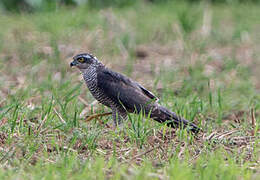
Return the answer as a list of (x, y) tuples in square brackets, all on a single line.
[(81, 60)]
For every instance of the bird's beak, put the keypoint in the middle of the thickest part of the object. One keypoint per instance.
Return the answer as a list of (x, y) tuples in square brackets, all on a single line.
[(73, 63)]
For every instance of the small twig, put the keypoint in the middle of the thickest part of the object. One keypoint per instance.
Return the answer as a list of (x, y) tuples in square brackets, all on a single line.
[(44, 130), (142, 154), (211, 136), (84, 112), (253, 121), (182, 151), (50, 161), (221, 136), (83, 101), (93, 103), (43, 121), (228, 149), (157, 137), (100, 151), (87, 109), (59, 115)]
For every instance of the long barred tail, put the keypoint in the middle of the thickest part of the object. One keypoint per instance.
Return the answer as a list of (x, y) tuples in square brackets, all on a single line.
[(161, 115)]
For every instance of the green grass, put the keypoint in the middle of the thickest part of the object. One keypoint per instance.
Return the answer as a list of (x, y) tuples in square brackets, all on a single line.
[(208, 78)]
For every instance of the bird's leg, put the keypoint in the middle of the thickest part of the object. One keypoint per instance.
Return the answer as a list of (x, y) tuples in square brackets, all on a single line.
[(89, 118), (118, 116)]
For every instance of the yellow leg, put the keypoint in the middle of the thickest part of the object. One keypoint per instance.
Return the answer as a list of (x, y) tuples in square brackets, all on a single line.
[(89, 118)]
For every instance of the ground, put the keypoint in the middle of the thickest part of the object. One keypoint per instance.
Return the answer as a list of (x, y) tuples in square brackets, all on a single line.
[(201, 60)]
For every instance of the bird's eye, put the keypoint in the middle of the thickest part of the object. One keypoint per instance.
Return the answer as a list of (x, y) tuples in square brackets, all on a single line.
[(81, 60)]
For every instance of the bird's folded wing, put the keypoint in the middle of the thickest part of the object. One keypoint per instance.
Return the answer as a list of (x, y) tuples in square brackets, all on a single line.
[(123, 90), (147, 92)]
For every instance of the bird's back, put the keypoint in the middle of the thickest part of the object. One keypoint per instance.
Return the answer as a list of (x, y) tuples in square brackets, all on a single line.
[(123, 91)]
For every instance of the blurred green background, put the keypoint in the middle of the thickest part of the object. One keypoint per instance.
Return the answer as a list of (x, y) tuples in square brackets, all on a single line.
[(50, 5)]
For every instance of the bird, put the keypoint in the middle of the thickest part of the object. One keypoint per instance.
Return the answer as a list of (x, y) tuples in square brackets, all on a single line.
[(124, 95)]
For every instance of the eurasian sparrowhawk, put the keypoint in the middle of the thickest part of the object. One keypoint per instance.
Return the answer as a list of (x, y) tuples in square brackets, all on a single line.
[(124, 95)]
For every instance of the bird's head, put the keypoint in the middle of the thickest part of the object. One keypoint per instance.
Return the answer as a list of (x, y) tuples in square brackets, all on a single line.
[(83, 61)]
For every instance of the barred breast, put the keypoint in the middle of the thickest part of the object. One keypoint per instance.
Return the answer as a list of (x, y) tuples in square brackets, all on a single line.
[(90, 78)]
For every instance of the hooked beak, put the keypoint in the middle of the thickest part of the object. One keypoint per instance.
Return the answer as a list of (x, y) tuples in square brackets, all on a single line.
[(73, 63)]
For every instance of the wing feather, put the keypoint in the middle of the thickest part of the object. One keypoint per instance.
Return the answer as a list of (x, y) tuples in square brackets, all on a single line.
[(123, 90)]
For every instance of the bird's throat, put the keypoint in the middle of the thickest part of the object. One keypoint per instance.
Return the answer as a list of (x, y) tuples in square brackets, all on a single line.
[(90, 74)]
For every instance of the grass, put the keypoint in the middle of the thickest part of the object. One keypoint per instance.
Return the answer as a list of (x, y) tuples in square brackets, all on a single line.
[(202, 61)]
